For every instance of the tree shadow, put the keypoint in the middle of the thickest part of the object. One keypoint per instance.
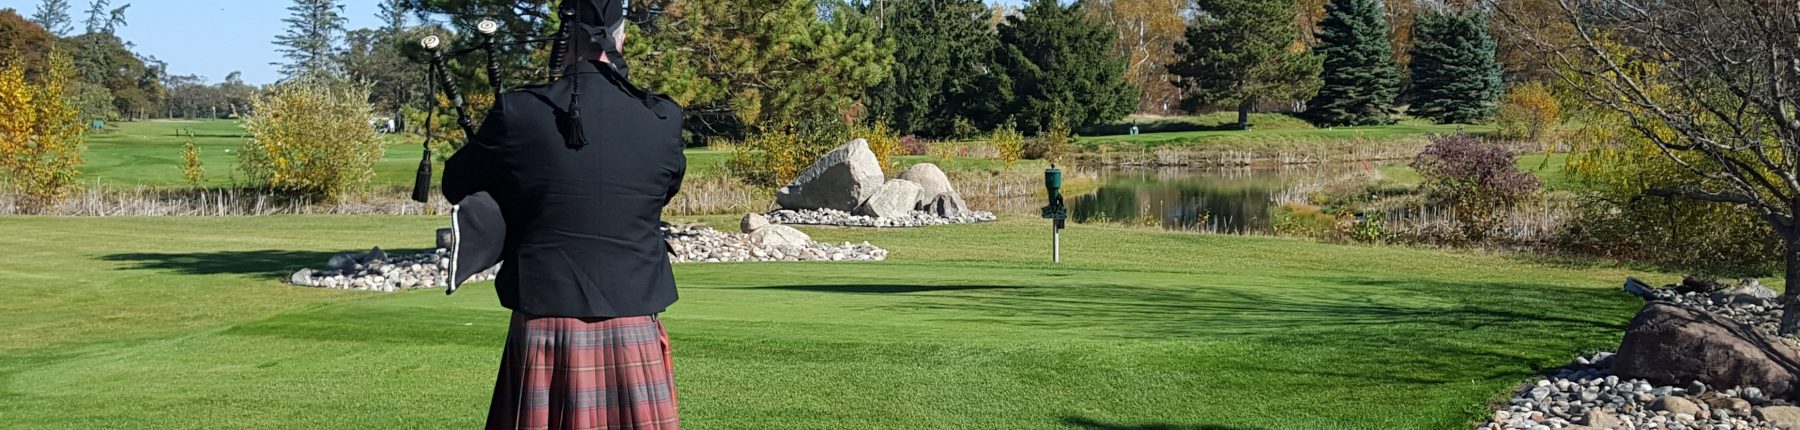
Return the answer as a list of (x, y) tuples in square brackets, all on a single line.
[(885, 289), (264, 263), (1399, 331), (1085, 423)]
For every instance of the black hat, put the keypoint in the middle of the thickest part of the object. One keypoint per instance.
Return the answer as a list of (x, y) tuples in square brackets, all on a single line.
[(598, 13)]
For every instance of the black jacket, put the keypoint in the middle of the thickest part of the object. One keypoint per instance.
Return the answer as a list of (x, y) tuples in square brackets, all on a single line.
[(582, 222)]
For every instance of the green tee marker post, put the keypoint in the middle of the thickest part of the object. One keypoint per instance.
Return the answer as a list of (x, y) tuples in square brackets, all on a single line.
[(1056, 212)]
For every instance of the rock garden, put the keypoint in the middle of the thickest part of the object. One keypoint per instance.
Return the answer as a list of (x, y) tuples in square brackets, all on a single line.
[(847, 187), (1699, 355)]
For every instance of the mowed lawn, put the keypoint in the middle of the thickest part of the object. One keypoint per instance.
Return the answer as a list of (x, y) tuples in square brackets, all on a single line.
[(182, 323)]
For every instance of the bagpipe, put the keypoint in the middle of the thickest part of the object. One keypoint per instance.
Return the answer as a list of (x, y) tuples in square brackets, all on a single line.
[(478, 228), (440, 79)]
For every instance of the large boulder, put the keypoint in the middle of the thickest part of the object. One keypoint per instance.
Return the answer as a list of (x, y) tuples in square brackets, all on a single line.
[(895, 199), (780, 236), (932, 181), (947, 205), (1672, 345), (841, 180)]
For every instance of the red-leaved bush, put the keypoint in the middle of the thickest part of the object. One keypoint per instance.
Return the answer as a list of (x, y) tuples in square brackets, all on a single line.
[(913, 145), (1478, 179)]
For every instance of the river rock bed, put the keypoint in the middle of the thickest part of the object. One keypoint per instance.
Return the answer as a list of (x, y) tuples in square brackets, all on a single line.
[(833, 217), (1586, 396), (377, 271), (1748, 303)]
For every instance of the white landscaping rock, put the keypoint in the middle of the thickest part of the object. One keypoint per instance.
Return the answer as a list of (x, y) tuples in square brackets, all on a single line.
[(752, 222), (841, 180), (895, 199), (932, 181), (780, 236)]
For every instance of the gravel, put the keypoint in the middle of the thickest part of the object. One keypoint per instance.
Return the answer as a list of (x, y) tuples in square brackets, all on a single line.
[(834, 217), (378, 271), (1587, 393)]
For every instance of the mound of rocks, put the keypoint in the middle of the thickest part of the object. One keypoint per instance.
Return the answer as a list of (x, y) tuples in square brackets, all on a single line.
[(1687, 338), (846, 219), (377, 271), (1586, 395), (849, 181)]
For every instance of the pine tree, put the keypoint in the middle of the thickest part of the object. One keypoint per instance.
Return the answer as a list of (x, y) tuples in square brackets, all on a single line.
[(1061, 65), (1360, 78), (1240, 51), (102, 18), (54, 16), (312, 37), (1455, 76), (940, 47)]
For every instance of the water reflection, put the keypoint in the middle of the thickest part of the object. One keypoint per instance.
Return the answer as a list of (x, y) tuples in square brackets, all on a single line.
[(1226, 200)]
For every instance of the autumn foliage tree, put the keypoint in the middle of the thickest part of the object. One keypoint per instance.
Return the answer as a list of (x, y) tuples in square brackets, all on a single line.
[(41, 137), (312, 136), (1713, 88), (1148, 31)]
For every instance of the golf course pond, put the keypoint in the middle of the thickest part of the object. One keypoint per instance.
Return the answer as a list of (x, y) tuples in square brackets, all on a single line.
[(1212, 199)]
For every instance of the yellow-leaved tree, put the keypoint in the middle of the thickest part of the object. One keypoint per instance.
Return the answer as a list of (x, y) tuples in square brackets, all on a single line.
[(41, 135), (313, 136)]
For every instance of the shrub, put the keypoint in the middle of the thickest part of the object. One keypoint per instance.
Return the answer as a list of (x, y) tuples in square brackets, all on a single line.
[(963, 128), (1053, 145), (311, 136), (1009, 142), (776, 155), (41, 135), (1615, 219), (1477, 179), (882, 141), (913, 145), (1529, 112), (191, 169)]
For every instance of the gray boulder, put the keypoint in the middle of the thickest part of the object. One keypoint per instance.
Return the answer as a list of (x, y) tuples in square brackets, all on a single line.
[(931, 180), (752, 223), (1671, 345), (840, 180), (342, 261), (780, 236), (948, 205), (895, 199), (375, 254)]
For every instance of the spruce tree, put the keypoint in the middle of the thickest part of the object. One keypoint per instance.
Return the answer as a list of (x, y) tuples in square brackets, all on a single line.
[(311, 42), (1060, 65), (940, 48), (1360, 80), (1455, 76), (1239, 51), (54, 16)]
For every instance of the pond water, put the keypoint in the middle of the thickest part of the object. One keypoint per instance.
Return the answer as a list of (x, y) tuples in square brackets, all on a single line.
[(1224, 200)]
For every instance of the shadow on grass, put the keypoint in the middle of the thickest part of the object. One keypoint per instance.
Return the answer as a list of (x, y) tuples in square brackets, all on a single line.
[(265, 263), (1395, 331), (1085, 423), (886, 289)]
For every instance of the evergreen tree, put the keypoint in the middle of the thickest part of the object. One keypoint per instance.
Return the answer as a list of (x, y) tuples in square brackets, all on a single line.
[(1240, 51), (941, 46), (103, 18), (1455, 76), (1360, 78), (311, 42), (1061, 65), (54, 16)]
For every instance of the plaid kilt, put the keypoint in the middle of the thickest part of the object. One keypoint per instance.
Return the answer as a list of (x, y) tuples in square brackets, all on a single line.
[(585, 373)]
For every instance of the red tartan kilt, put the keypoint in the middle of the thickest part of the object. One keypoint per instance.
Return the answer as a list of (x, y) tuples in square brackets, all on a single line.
[(585, 373)]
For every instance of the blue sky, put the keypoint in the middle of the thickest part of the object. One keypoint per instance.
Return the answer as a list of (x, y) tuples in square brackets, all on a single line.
[(212, 38)]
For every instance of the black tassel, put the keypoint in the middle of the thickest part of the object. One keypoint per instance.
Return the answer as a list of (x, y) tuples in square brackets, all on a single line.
[(574, 137), (422, 184)]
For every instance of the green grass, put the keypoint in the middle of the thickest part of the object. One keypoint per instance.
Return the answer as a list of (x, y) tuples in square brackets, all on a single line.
[(1547, 167), (149, 153), (181, 323)]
